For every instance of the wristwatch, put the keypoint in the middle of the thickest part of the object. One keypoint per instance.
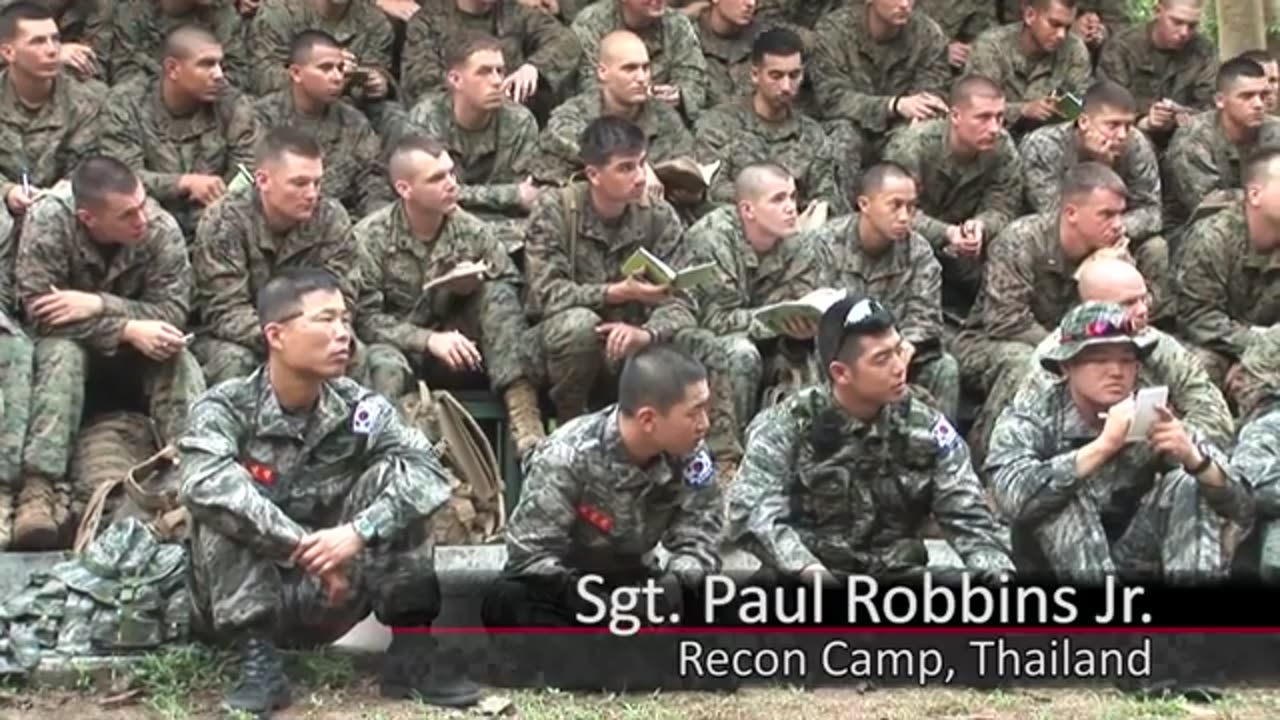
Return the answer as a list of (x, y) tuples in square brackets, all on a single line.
[(1205, 462)]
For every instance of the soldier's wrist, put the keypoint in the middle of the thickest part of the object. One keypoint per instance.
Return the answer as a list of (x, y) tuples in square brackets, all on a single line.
[(364, 528)]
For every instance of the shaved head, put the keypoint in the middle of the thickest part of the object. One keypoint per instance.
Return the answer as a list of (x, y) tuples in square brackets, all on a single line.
[(620, 46), (1262, 168), (1182, 3), (403, 163), (1109, 279), (756, 180), (183, 42)]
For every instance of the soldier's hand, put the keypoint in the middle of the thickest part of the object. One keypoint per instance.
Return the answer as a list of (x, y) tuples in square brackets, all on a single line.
[(633, 289), (324, 551), (1232, 382), (669, 94), (1169, 436), (921, 106), (798, 328), (1040, 110), (203, 189), (375, 84), (622, 339), (399, 9), (653, 187), (336, 587), (156, 339), (247, 8), (958, 53), (81, 58), (60, 307), (521, 84), (908, 350), (1160, 116), (455, 350), (1119, 418), (18, 200), (528, 193)]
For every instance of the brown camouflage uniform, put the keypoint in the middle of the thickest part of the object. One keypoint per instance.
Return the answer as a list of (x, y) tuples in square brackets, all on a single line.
[(353, 171), (960, 21), (161, 147), (527, 36), (363, 29), (138, 28), (951, 191), (1186, 76), (728, 59), (1201, 159), (568, 271), (48, 143), (235, 254), (995, 54)]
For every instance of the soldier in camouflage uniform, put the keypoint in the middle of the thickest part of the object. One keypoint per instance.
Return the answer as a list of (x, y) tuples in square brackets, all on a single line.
[(623, 92), (676, 66), (313, 103), (1192, 393), (1227, 292), (139, 27), (41, 144), (726, 31), (875, 253), (798, 16), (309, 501), (1270, 68), (1082, 500), (876, 64), (538, 53), (16, 353), (591, 316), (1206, 152), (1032, 60), (970, 184), (767, 127), (281, 221), (359, 25), (491, 139), (840, 477), (961, 23), (183, 132), (1253, 460), (1029, 283), (1103, 133), (104, 277), (464, 325), (85, 34), (761, 259), (1167, 65), (606, 488)]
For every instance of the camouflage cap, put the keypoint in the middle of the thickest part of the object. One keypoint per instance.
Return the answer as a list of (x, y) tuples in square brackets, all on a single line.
[(1095, 323)]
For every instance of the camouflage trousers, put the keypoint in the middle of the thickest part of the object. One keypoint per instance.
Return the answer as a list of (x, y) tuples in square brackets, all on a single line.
[(1215, 364), (17, 353), (233, 587), (995, 368), (940, 376), (493, 319), (1175, 535), (64, 367), (574, 363), (223, 360), (1151, 256)]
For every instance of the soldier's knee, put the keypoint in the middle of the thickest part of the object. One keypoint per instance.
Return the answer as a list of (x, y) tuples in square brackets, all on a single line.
[(572, 331), (60, 354), (741, 356), (388, 370), (227, 361)]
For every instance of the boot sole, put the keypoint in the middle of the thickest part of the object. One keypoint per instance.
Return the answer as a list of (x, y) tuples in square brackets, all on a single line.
[(35, 539), (397, 692), (281, 701)]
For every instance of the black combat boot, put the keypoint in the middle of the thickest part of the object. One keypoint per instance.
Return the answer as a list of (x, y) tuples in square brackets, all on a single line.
[(263, 686), (415, 667)]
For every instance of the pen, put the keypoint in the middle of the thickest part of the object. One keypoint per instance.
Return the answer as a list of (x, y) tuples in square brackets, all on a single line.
[(188, 338), (26, 184)]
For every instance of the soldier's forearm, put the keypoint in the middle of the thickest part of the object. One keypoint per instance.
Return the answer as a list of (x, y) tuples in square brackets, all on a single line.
[(565, 295), (173, 310), (262, 527), (500, 197), (162, 186), (237, 325)]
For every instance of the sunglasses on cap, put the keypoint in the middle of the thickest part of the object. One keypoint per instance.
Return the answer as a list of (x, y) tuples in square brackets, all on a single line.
[(1102, 327), (860, 311)]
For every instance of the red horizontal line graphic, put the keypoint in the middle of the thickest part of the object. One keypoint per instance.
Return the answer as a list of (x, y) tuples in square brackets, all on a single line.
[(853, 630)]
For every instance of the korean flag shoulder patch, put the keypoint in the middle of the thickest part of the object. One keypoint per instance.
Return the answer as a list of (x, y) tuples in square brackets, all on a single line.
[(944, 435), (699, 470), (365, 418)]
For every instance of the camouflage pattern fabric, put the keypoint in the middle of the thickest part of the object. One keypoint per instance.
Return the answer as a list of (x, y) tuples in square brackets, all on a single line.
[(1201, 159), (363, 29), (48, 143), (138, 28), (728, 59), (1186, 76), (995, 54)]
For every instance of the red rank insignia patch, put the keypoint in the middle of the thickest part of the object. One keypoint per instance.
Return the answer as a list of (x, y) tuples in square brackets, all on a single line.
[(601, 520), (261, 473)]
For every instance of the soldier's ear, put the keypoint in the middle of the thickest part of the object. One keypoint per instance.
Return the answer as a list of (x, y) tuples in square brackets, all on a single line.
[(454, 78), (1219, 100), (647, 416), (271, 335)]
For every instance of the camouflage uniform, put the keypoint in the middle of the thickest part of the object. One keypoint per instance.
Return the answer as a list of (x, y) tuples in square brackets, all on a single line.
[(587, 508), (569, 267), (951, 191), (756, 355), (1136, 515), (257, 479), (728, 59), (856, 78), (397, 317), (527, 36), (235, 254), (995, 54), (1228, 292), (490, 162), (16, 353), (47, 144), (960, 21), (1185, 76), (362, 29), (1201, 159), (353, 172), (148, 281), (1049, 152), (736, 136), (906, 279), (799, 16), (138, 28), (853, 495), (557, 157), (675, 58), (161, 147)]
